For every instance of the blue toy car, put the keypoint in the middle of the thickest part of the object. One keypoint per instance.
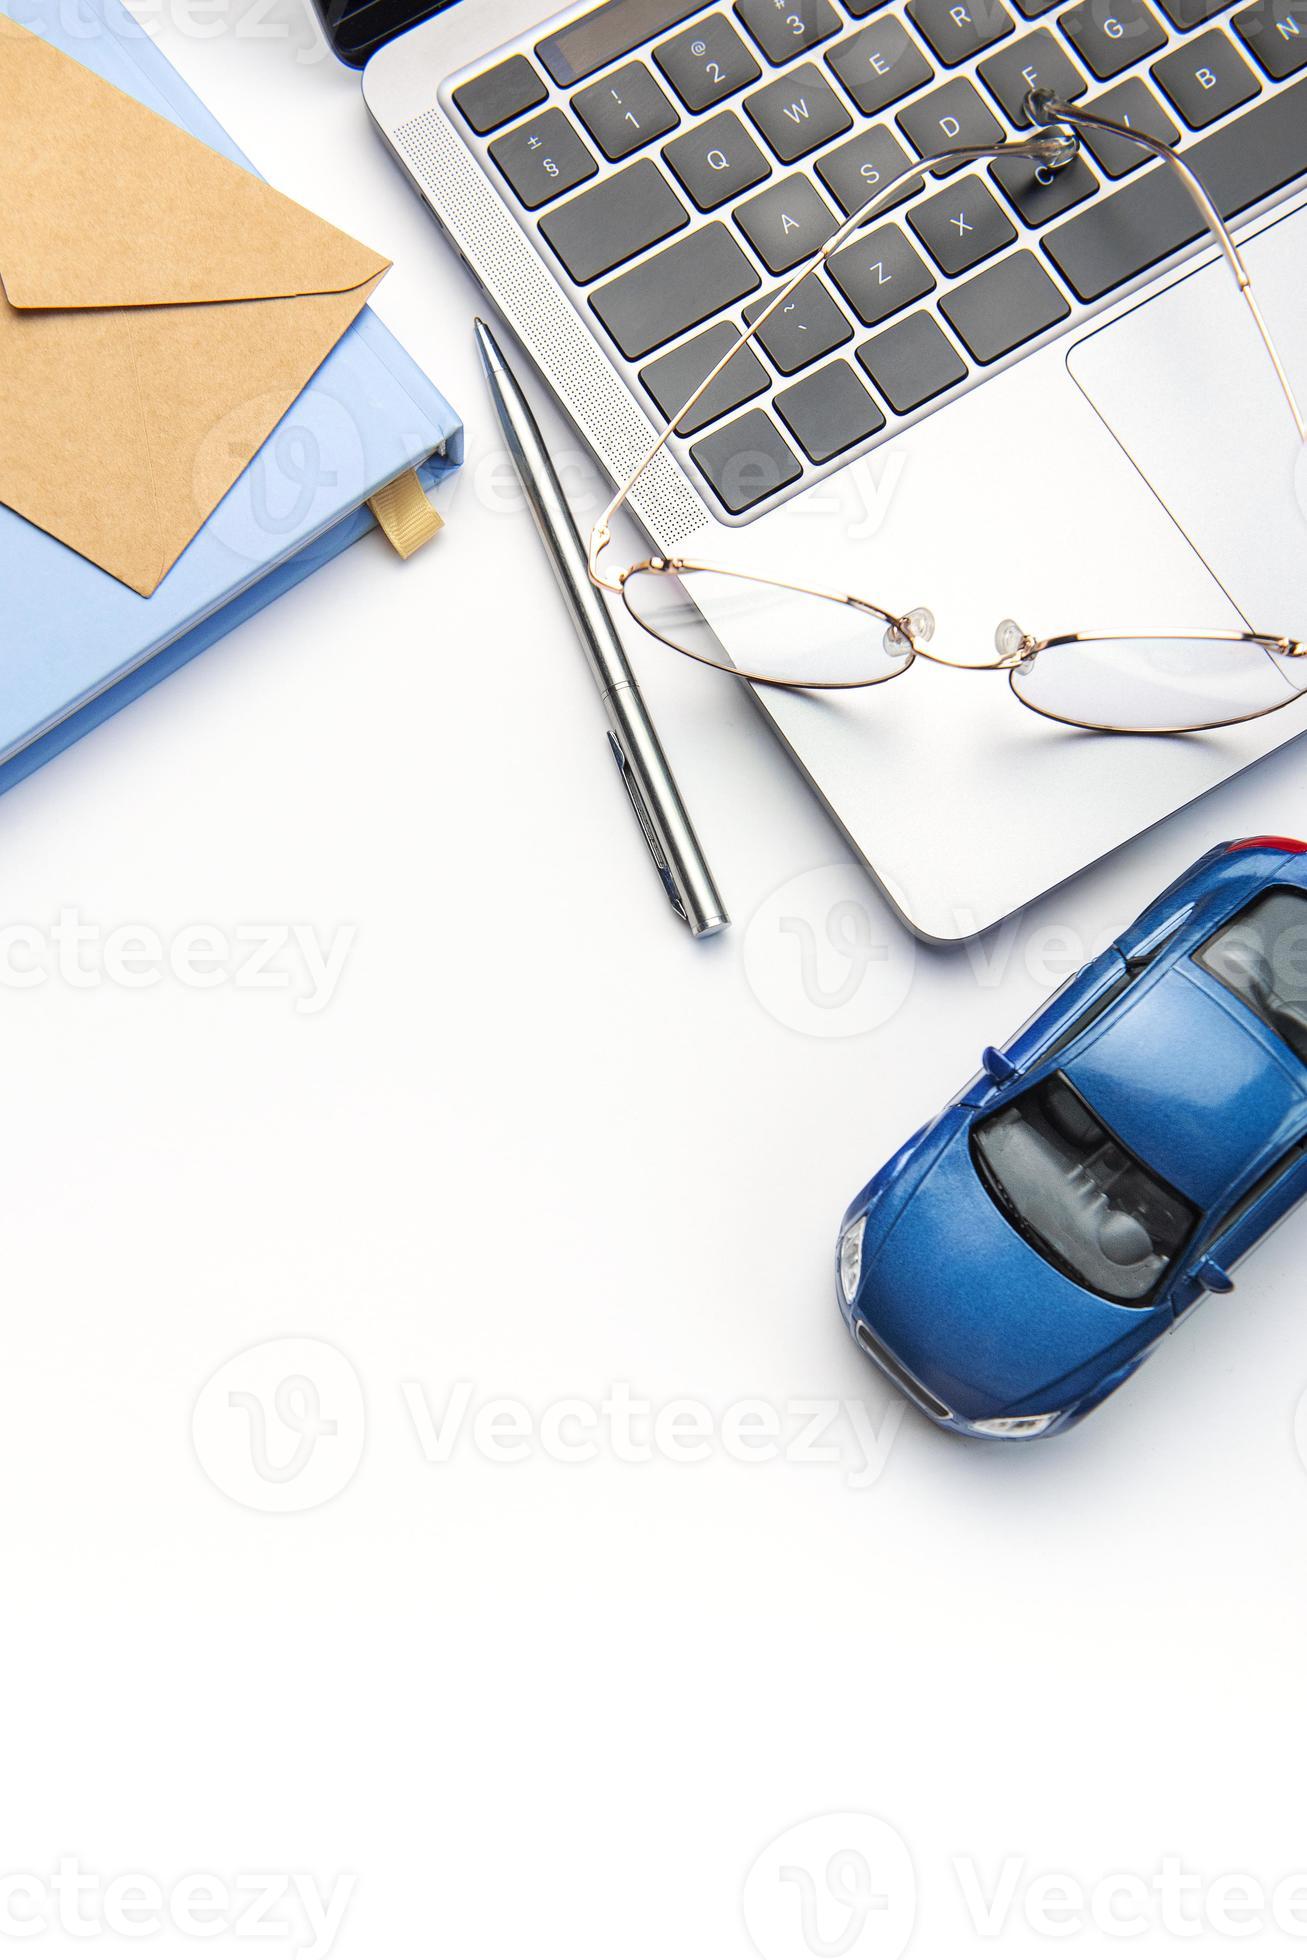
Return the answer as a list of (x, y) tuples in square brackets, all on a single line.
[(1023, 1253)]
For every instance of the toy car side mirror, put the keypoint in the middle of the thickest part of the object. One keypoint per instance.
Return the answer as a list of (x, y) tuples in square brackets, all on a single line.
[(998, 1066), (1213, 1278)]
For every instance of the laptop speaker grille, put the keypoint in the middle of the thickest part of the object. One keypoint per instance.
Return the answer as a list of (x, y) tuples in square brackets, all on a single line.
[(502, 258)]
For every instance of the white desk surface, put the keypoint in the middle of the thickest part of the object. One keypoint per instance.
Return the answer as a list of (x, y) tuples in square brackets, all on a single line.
[(538, 1148)]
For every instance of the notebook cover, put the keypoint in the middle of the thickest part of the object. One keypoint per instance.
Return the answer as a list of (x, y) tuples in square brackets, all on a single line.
[(75, 643)]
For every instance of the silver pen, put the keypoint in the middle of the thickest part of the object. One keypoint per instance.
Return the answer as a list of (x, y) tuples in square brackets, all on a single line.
[(644, 768)]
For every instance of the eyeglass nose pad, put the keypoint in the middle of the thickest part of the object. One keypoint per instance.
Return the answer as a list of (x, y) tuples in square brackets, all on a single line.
[(916, 628), (1010, 639), (1062, 144)]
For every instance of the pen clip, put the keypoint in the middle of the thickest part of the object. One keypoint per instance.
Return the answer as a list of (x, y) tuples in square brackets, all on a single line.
[(656, 851)]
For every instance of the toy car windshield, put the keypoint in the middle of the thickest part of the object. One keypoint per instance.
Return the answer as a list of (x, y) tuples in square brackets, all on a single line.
[(1261, 956), (1078, 1196)]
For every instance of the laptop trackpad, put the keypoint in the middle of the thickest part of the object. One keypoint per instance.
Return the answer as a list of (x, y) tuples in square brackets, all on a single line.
[(1186, 387)]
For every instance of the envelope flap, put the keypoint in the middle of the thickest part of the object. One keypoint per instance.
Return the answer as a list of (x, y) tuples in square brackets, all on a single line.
[(108, 204)]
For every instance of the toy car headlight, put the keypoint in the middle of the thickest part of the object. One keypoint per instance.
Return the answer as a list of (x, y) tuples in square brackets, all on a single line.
[(851, 1259), (1017, 1425)]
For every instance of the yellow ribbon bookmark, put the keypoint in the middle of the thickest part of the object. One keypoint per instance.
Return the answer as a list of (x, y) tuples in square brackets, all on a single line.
[(406, 514)]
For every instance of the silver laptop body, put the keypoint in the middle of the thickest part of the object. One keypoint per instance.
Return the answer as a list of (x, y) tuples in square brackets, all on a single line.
[(1127, 463)]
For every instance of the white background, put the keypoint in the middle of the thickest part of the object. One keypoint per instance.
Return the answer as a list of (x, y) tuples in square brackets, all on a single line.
[(541, 1145)]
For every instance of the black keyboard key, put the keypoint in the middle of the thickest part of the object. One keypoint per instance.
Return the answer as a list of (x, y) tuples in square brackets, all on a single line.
[(787, 223), (1118, 237), (855, 171), (625, 111), (861, 8), (1275, 34), (951, 116), (1188, 14), (706, 63), (957, 29), (489, 101), (1038, 195), (679, 288), (606, 226), (1112, 34), (880, 65), (829, 412), (1035, 61), (1206, 78), (807, 327), (543, 158), (1032, 9), (912, 362), (798, 113), (880, 274), (1003, 307), (1133, 103), (672, 379), (717, 160), (961, 226), (747, 461), (786, 28)]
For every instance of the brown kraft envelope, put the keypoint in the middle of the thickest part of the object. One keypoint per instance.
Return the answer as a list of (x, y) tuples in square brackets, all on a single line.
[(161, 311)]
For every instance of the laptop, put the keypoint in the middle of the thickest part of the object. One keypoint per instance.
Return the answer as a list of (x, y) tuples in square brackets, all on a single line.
[(1090, 439)]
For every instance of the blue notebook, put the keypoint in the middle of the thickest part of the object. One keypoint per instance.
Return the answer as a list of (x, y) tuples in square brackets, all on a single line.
[(75, 643)]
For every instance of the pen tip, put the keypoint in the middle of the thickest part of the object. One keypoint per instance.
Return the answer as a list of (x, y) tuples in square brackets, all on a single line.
[(488, 347)]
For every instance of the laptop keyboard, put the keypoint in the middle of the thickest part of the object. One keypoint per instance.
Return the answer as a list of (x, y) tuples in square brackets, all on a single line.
[(673, 188)]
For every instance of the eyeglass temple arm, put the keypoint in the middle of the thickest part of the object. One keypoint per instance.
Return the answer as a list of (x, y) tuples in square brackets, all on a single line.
[(1045, 108), (1052, 149)]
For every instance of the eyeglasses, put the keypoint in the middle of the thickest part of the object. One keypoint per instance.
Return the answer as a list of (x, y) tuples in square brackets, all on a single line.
[(805, 637)]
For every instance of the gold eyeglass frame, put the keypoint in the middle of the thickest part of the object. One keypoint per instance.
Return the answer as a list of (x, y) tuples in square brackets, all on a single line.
[(908, 634)]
